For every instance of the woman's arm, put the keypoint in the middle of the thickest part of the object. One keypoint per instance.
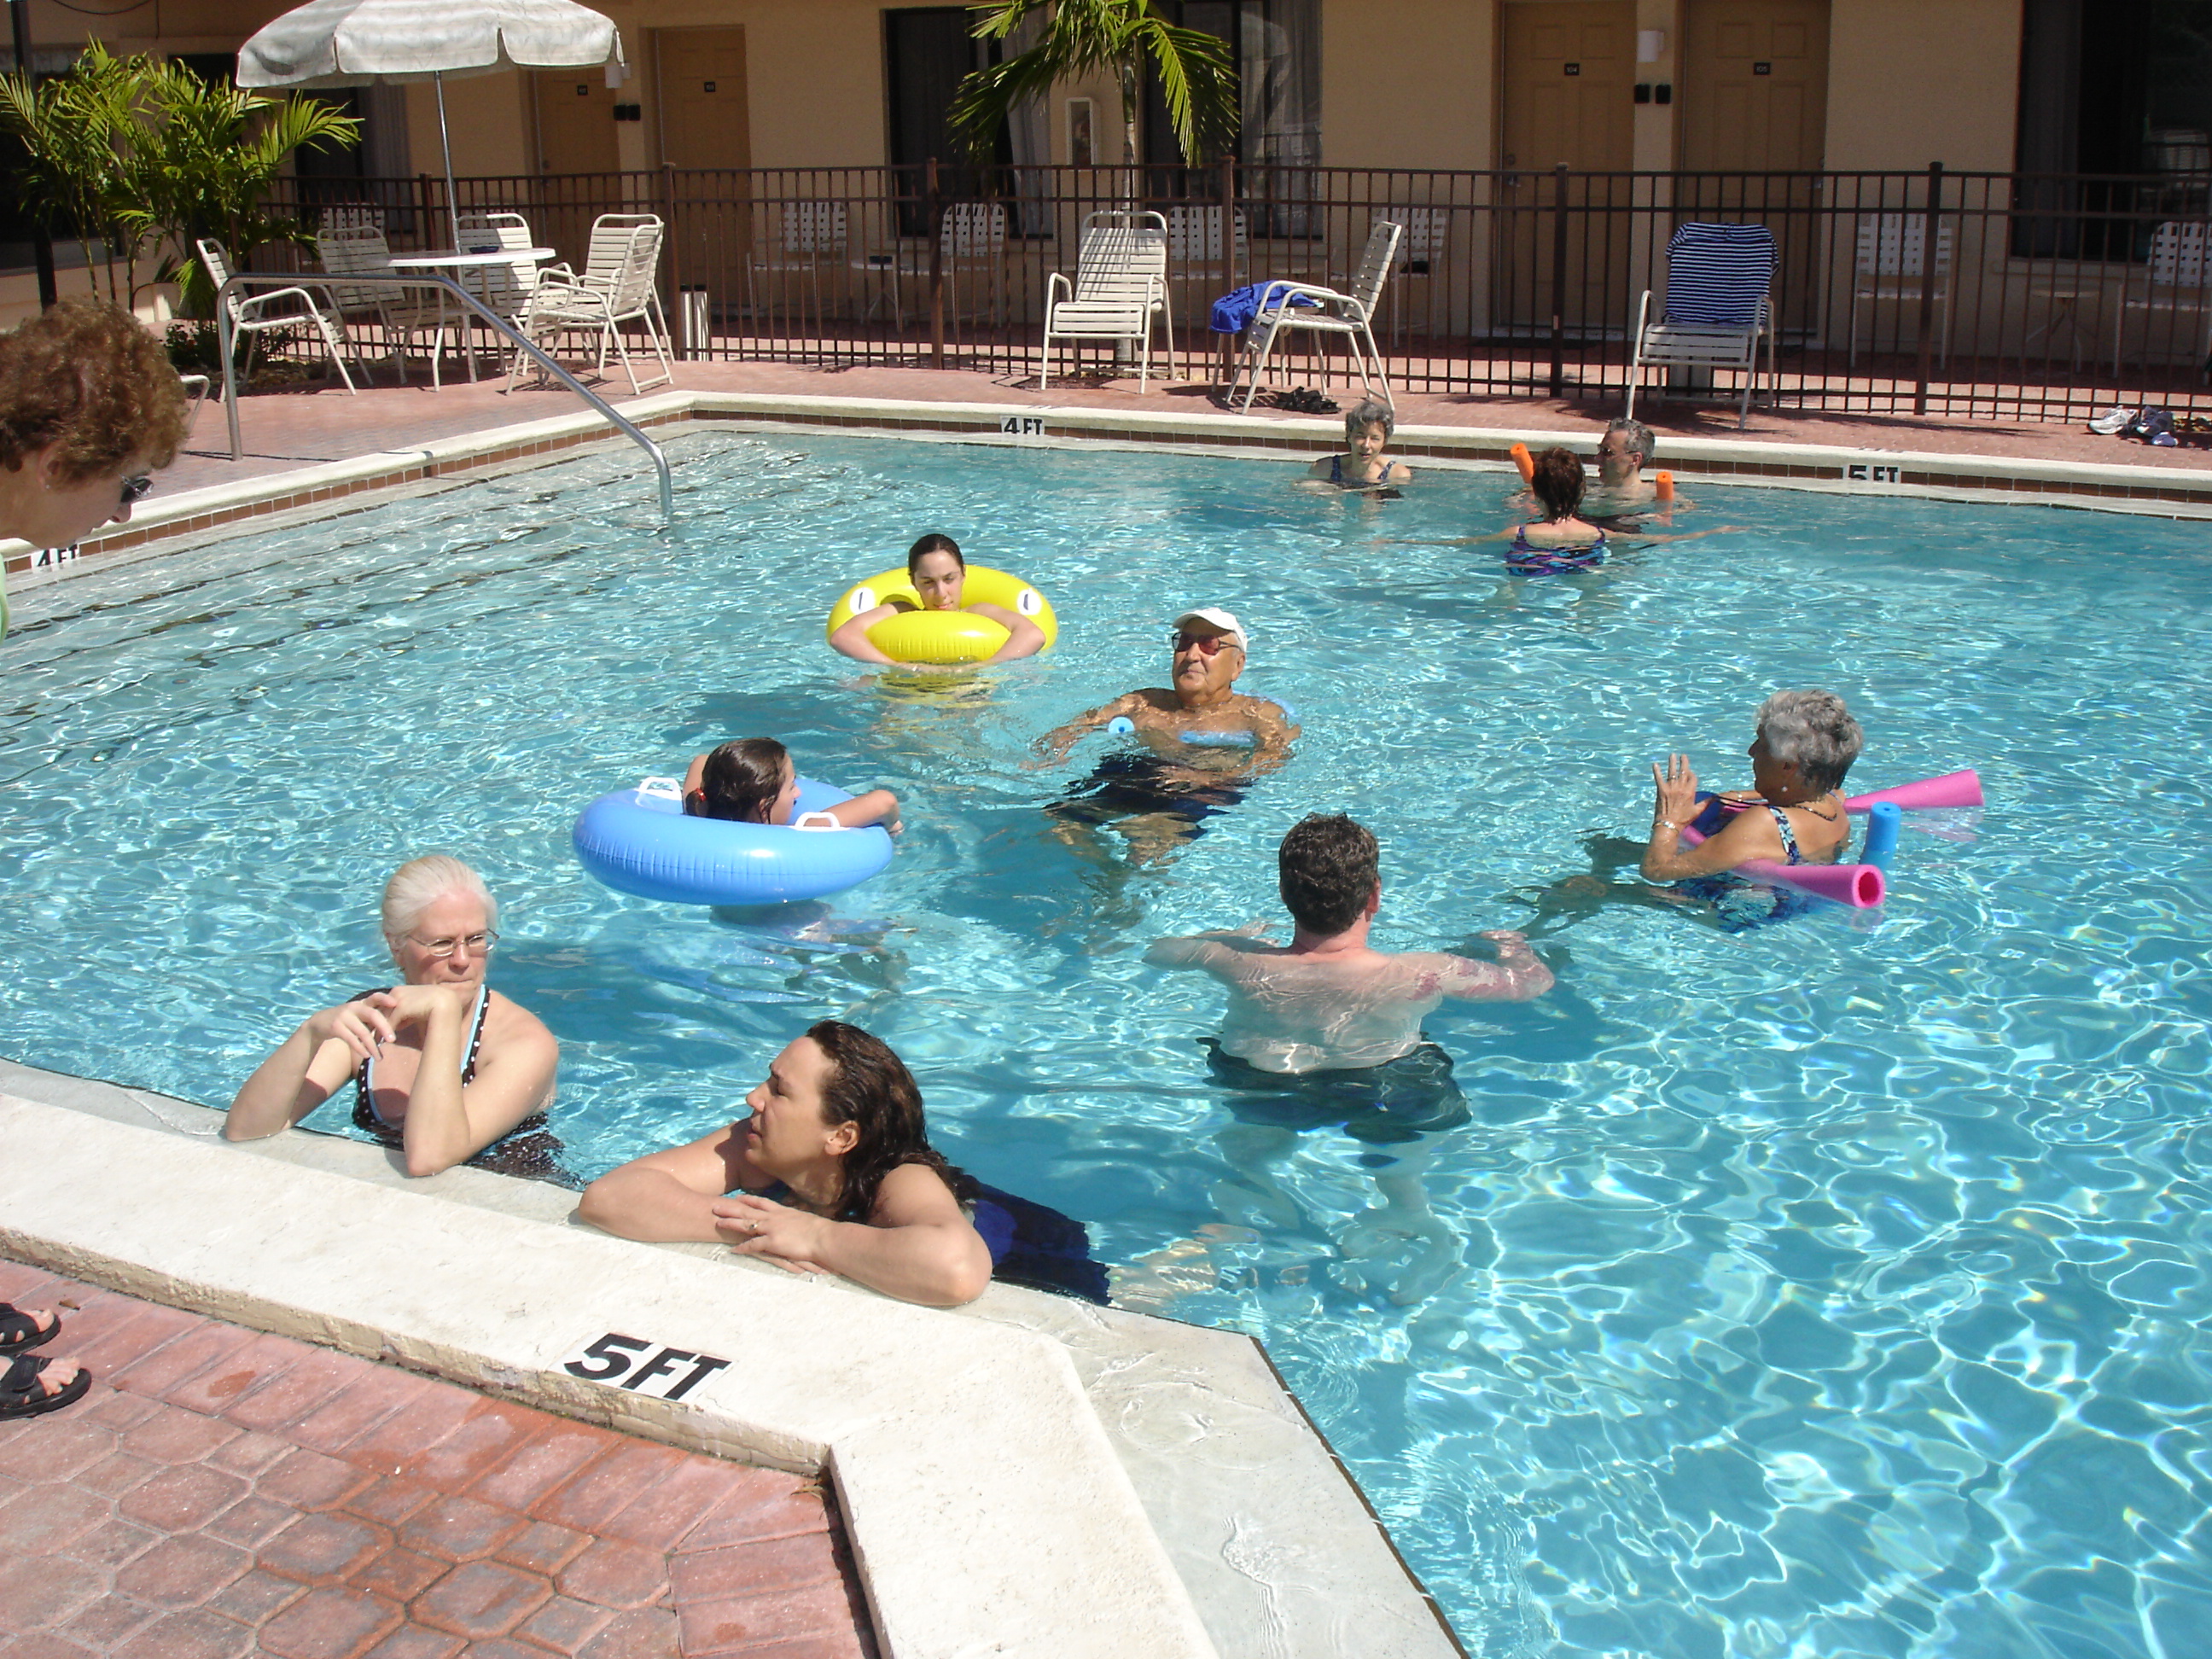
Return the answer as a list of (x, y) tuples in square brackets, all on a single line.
[(1023, 637), (448, 1121), (852, 636), (877, 807), (669, 1194), (918, 1246), (1746, 835), (300, 1076)]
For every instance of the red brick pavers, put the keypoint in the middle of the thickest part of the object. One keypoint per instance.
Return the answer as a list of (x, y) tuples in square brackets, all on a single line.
[(221, 1493)]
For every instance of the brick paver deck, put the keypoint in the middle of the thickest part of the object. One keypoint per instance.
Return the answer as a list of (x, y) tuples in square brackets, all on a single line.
[(222, 1493)]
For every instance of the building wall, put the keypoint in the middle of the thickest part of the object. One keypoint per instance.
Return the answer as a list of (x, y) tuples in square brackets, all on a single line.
[(1409, 85), (1911, 83)]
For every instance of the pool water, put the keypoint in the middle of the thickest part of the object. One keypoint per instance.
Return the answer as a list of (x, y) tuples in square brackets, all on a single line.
[(1830, 1289)]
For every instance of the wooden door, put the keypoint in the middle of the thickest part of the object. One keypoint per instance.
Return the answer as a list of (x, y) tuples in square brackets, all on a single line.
[(1754, 99), (1569, 71), (706, 134), (576, 122)]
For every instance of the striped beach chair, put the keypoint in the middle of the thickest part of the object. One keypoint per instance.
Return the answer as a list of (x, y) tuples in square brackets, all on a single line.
[(1719, 305)]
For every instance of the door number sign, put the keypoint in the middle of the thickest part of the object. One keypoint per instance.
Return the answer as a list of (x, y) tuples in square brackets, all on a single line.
[(631, 1362)]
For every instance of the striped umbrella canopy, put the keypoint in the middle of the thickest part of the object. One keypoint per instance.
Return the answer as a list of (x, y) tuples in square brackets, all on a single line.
[(352, 43)]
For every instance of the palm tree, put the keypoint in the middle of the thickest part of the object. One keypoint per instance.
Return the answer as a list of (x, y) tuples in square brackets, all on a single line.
[(1197, 75)]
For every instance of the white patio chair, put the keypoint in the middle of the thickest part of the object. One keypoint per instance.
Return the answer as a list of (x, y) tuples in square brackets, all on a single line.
[(1891, 264), (617, 286), (256, 314), (810, 244), (1350, 316), (1120, 285), (1426, 241), (973, 238), (1195, 241), (1720, 305), (2178, 280), (359, 249)]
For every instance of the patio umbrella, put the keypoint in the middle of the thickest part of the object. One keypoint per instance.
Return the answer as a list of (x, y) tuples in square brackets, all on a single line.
[(352, 43)]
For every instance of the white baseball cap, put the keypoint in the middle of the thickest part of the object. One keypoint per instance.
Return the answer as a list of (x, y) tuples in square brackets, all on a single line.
[(1214, 616)]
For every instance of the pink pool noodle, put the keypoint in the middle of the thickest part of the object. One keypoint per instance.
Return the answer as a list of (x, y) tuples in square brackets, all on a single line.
[(1859, 886), (1952, 789)]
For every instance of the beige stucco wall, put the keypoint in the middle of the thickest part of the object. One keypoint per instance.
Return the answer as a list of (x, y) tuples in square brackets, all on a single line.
[(1911, 82), (1408, 85)]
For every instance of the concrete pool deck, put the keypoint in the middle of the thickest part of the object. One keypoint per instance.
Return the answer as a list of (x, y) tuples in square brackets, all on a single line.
[(1028, 1475)]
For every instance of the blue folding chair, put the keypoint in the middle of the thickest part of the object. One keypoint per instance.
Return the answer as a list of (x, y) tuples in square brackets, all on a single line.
[(1720, 304)]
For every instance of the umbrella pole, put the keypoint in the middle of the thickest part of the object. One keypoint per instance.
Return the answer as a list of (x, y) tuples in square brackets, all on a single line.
[(445, 143)]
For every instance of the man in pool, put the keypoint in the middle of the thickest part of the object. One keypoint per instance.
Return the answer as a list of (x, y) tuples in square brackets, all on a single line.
[(1622, 490), (1327, 1030), (1203, 742), (938, 571)]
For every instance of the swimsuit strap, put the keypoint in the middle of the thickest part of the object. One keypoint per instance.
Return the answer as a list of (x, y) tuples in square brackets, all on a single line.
[(1789, 835), (364, 1085), (1336, 468)]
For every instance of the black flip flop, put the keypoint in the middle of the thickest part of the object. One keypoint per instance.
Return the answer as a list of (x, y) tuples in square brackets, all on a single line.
[(17, 1333), (20, 1396)]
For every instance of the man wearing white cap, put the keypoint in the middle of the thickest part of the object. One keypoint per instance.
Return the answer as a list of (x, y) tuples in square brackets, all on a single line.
[(1202, 740)]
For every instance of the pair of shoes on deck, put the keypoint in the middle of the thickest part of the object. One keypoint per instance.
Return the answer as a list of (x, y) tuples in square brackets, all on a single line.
[(22, 1392), (1306, 400)]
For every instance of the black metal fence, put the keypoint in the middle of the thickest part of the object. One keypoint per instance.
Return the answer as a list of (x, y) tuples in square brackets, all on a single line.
[(1995, 294)]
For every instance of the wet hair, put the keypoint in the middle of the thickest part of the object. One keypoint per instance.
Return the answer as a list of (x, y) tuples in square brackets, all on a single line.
[(1558, 482), (1328, 868), (86, 376), (932, 543), (1639, 439), (869, 1086), (740, 781), (420, 883), (1816, 730), (1366, 413)]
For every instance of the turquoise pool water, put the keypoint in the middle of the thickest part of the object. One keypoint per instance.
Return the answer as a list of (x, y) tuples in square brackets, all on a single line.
[(1830, 1290)]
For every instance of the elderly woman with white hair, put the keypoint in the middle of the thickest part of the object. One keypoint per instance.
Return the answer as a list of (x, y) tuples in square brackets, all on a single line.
[(445, 1069), (1793, 813), (1368, 427)]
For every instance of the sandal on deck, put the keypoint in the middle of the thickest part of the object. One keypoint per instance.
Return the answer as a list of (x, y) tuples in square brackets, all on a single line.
[(19, 1331), (20, 1395)]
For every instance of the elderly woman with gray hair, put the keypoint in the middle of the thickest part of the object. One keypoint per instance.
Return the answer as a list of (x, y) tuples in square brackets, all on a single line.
[(1792, 814), (445, 1070), (1367, 429)]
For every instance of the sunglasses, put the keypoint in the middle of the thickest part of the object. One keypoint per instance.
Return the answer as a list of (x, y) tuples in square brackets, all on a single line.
[(137, 490), (1207, 646)]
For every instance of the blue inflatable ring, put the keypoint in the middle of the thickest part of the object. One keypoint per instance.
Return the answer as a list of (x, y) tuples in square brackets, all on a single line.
[(639, 841)]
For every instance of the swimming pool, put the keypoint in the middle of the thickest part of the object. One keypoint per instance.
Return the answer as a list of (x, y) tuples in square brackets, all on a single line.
[(1832, 1289)]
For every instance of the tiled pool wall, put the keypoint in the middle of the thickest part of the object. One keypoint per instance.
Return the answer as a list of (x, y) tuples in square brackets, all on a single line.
[(2157, 491)]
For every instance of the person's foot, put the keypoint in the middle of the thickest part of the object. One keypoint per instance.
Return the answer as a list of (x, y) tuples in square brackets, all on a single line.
[(32, 1386), (25, 1327)]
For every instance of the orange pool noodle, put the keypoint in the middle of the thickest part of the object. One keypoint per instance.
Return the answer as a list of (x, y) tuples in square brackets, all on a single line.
[(1664, 484), (1526, 462)]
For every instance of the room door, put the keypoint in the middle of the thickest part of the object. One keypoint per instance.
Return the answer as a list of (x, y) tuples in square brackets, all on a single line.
[(1569, 68), (576, 122), (1755, 102), (706, 134)]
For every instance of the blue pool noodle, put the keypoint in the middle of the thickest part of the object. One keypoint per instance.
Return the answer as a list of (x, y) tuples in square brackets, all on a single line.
[(1883, 820)]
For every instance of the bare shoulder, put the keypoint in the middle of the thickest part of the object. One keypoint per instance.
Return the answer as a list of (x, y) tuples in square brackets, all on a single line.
[(914, 1194), (507, 1023)]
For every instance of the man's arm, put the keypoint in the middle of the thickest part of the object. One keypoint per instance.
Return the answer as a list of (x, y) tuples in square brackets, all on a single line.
[(1195, 950), (1517, 976), (1273, 736), (1055, 743)]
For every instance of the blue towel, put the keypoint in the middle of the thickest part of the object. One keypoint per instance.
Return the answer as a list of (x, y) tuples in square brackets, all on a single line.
[(1233, 313), (1716, 275)]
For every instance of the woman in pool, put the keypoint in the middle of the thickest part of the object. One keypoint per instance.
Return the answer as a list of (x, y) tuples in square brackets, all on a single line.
[(1793, 813), (753, 781), (833, 1172), (936, 569), (1559, 540), (89, 409), (445, 1069), (1363, 465)]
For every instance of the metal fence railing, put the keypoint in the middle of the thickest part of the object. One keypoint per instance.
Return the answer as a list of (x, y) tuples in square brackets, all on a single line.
[(1994, 294)]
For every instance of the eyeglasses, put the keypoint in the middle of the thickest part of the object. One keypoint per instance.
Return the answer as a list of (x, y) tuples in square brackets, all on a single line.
[(476, 945), (1206, 645), (137, 490)]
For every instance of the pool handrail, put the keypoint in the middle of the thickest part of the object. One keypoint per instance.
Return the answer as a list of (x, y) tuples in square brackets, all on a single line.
[(499, 324)]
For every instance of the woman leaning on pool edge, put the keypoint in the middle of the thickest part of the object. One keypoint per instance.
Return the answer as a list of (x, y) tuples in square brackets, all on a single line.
[(89, 407), (443, 1067)]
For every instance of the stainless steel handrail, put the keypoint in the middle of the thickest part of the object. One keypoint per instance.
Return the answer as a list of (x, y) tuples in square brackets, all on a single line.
[(500, 325)]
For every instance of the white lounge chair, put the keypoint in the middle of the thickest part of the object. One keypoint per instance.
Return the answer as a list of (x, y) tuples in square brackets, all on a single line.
[(973, 242), (1302, 306), (1892, 264), (2179, 282), (617, 287), (1720, 305), (359, 249), (255, 314), (1120, 285), (810, 247)]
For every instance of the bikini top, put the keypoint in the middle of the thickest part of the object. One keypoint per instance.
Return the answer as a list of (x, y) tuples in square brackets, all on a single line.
[(364, 1081)]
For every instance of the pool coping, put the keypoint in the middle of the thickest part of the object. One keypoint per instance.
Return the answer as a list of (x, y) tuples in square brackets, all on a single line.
[(1028, 1474), (2165, 492)]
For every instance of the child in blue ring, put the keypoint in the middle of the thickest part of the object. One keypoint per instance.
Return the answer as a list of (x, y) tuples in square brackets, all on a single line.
[(753, 781)]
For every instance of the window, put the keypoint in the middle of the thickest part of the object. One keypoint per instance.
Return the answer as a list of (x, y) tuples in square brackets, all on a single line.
[(2124, 92), (1277, 47), (926, 52)]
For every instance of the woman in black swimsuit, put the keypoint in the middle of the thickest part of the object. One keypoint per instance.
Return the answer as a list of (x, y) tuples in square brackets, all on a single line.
[(445, 1070)]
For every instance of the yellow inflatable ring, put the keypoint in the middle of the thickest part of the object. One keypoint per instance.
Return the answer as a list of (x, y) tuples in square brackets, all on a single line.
[(919, 636)]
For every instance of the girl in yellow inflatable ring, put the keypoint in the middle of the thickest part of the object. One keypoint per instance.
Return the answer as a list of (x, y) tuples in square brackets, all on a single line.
[(937, 575)]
